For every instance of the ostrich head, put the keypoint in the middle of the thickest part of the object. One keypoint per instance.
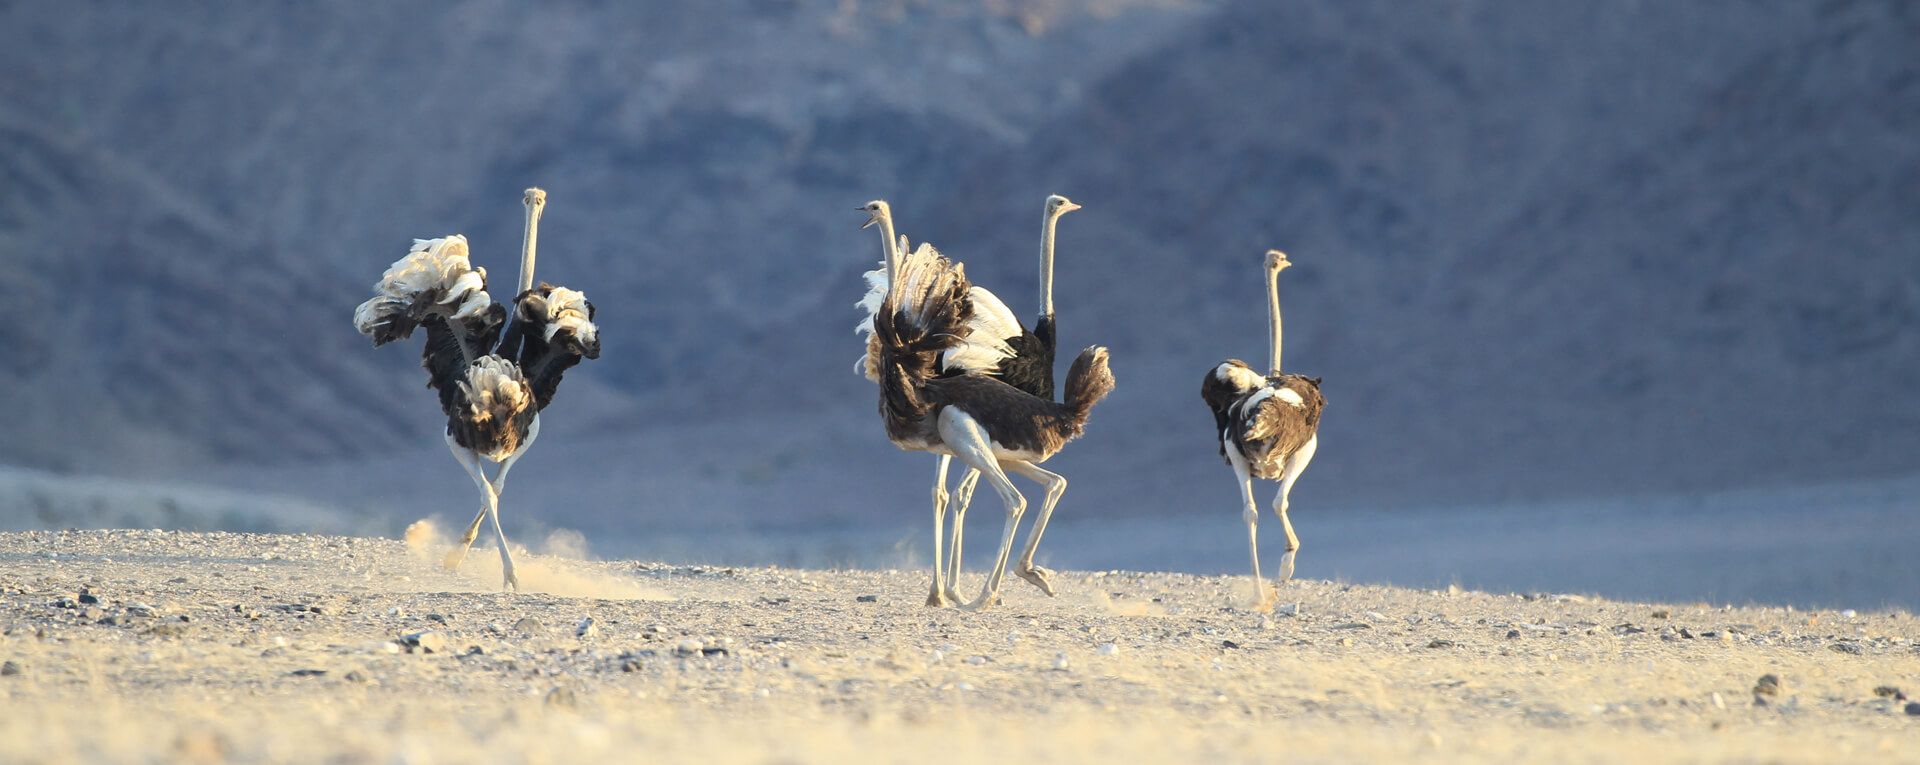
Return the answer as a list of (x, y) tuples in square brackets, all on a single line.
[(1277, 261), (567, 317), (1058, 205), (875, 210), (534, 198)]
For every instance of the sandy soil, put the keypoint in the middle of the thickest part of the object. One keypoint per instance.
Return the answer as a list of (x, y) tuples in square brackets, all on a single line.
[(150, 646)]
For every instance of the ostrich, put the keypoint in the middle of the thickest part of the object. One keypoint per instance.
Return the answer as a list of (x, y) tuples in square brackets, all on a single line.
[(999, 347), (988, 424), (1268, 428), (492, 388)]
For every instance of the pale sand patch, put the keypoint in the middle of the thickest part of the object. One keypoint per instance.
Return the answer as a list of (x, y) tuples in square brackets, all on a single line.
[(548, 573), (287, 654)]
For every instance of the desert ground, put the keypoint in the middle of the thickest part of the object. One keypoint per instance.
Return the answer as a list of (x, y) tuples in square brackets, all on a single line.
[(137, 646)]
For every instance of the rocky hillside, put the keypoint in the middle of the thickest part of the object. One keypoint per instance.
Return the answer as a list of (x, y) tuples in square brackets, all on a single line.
[(1543, 250)]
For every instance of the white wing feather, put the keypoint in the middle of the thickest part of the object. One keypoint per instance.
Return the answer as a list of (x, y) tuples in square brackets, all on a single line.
[(432, 264), (993, 325)]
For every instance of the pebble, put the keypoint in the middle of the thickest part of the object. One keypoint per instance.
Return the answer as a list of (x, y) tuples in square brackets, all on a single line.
[(1719, 703), (562, 696), (688, 647), (1768, 685), (1513, 634), (977, 660), (1847, 647), (1662, 614), (355, 676), (1107, 649), (1290, 609), (307, 672), (1889, 692), (587, 629), (1849, 613), (867, 599), (426, 642), (1440, 643), (1060, 663), (142, 609), (529, 625), (1229, 644), (10, 669), (1913, 708)]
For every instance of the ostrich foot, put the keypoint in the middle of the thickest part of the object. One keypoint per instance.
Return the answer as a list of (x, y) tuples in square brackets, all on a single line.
[(941, 597), (1286, 567), (1265, 595), (1038, 576), (452, 560)]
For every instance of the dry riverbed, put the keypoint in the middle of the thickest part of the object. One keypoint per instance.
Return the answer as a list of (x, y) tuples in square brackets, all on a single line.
[(130, 646)]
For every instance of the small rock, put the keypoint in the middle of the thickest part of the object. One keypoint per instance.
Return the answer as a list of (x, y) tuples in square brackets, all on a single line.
[(1229, 644), (308, 672), (142, 610), (1719, 703), (1290, 609), (1849, 613), (977, 660), (587, 629), (1913, 708), (867, 599), (1440, 643), (1060, 663), (529, 626), (1686, 633), (1513, 634), (1847, 647), (1768, 685), (474, 650), (1889, 692), (354, 676), (9, 669), (441, 618), (1107, 649), (562, 696), (688, 647), (88, 598), (425, 642), (1663, 614)]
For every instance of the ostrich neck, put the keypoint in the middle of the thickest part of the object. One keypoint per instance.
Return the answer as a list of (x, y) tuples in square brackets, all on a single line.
[(527, 246), (1046, 265), (890, 243), (890, 246), (1273, 320)]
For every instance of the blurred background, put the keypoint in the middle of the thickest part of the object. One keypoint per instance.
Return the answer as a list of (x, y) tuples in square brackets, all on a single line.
[(1611, 297)]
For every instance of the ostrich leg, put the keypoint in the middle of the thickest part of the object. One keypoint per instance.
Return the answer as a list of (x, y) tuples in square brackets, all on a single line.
[(1296, 465), (471, 462), (969, 443), (1250, 512), (938, 597), (962, 496), (1056, 485), (459, 551)]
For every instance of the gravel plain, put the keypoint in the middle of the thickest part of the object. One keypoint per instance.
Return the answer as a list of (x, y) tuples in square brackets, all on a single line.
[(138, 646)]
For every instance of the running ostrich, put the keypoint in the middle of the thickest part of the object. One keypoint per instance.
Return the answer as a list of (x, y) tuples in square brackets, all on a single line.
[(492, 388), (1268, 428), (999, 346), (987, 424)]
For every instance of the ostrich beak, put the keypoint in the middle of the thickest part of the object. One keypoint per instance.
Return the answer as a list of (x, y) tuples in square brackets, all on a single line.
[(1069, 207)]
